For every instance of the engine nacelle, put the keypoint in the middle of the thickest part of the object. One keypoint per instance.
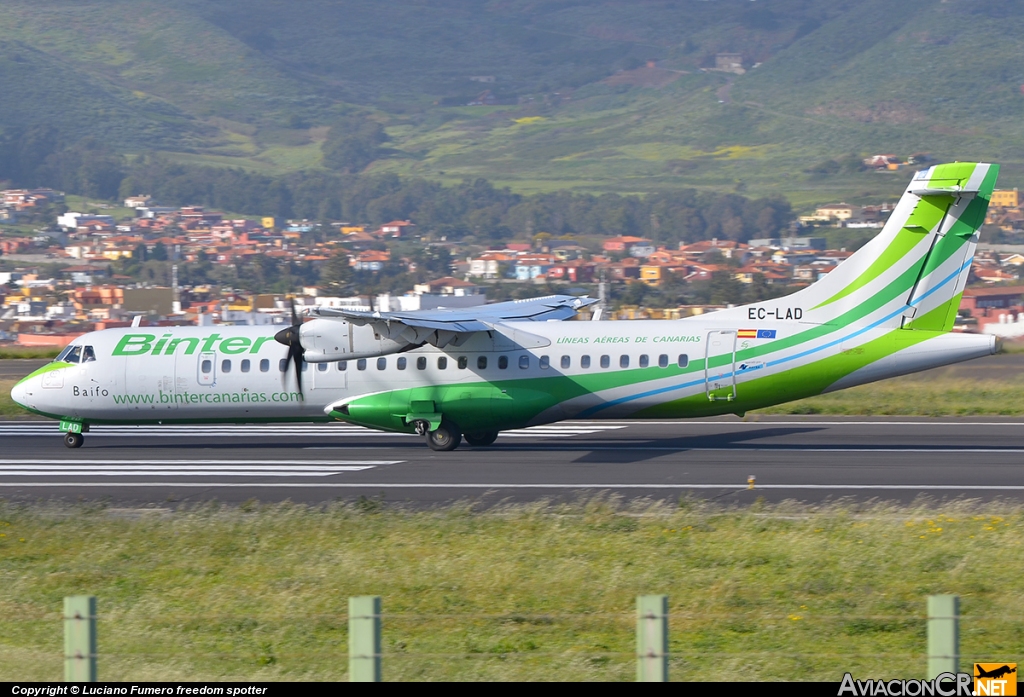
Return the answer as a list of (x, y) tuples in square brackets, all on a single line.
[(326, 340)]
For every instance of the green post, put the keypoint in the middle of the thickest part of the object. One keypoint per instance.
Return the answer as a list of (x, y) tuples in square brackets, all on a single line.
[(80, 638), (364, 639), (652, 638), (943, 634)]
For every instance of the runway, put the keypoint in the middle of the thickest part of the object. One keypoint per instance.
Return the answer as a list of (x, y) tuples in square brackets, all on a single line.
[(804, 458)]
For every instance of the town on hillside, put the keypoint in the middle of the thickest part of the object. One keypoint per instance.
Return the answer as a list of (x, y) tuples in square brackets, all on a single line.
[(76, 272)]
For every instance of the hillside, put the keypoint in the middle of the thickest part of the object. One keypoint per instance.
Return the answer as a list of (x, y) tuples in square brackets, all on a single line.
[(596, 94)]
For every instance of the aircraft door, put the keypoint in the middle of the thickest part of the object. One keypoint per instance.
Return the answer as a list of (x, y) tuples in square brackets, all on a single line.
[(207, 368), (149, 382), (720, 365), (329, 376)]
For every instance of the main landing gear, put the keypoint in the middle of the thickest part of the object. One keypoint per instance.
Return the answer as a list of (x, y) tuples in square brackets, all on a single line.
[(73, 440), (447, 436), (481, 440)]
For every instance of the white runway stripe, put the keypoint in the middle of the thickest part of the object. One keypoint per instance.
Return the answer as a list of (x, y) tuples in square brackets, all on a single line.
[(420, 485), (561, 430), (177, 468)]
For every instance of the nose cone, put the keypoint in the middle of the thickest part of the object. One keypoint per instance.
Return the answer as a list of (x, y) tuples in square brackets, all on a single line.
[(18, 393)]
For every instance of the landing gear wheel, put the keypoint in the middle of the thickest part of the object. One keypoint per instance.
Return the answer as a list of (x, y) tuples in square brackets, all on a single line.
[(73, 440), (481, 440), (445, 438)]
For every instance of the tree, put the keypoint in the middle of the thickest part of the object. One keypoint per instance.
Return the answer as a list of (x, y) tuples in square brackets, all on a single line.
[(159, 252), (336, 271)]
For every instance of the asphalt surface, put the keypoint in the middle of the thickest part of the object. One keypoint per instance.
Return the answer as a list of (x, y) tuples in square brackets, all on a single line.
[(804, 458)]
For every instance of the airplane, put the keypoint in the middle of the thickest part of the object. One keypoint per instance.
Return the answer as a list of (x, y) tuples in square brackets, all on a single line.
[(995, 673), (472, 373)]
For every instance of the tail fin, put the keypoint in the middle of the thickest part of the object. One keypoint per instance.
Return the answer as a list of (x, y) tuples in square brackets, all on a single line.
[(913, 273)]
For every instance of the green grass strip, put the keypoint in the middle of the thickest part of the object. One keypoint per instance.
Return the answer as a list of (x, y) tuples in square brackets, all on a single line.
[(532, 592)]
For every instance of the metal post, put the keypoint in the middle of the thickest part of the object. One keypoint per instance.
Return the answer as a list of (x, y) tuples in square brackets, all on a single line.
[(652, 638), (364, 638), (943, 634), (80, 638)]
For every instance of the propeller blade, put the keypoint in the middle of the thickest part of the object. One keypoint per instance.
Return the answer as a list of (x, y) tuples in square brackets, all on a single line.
[(296, 355), (291, 338)]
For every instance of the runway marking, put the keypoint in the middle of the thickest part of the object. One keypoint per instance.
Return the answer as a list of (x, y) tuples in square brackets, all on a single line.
[(561, 430), (177, 468), (393, 485)]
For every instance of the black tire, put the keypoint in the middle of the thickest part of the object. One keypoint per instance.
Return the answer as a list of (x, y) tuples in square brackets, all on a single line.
[(446, 437), (73, 440), (481, 440)]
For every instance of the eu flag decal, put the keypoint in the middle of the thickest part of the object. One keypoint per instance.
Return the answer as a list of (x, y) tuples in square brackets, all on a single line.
[(765, 333)]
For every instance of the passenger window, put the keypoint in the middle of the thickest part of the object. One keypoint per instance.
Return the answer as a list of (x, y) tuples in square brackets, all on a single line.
[(442, 363), (606, 361), (545, 362), (246, 365), (382, 363), (683, 360), (421, 363), (402, 363), (322, 367), (644, 360), (225, 366), (566, 362), (524, 362), (74, 355), (265, 365), (502, 362), (663, 360), (463, 362), (361, 364), (283, 364), (481, 363), (206, 366), (88, 355), (623, 361), (342, 366), (584, 361)]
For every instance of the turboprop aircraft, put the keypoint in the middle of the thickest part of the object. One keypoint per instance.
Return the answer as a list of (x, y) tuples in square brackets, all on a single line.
[(888, 310)]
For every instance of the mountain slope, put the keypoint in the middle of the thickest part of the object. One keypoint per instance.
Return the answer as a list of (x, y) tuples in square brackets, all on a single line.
[(569, 96)]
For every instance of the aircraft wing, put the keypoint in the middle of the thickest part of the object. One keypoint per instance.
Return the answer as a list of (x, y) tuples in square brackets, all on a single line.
[(419, 326)]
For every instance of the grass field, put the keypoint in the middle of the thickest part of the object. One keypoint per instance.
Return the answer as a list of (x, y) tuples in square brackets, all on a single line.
[(9, 352), (537, 592), (912, 396)]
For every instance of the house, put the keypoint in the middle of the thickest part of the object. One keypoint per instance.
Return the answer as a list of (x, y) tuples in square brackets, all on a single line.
[(396, 228), (881, 161), (574, 271), (627, 269), (488, 264), (834, 211), (448, 285), (1004, 198), (626, 243), (528, 267), (994, 275), (137, 201), (370, 260), (729, 63)]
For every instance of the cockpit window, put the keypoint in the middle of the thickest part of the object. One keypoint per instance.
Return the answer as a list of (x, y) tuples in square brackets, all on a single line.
[(62, 356), (88, 354), (74, 354)]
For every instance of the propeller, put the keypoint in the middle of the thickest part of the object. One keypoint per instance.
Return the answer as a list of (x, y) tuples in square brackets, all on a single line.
[(290, 338)]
